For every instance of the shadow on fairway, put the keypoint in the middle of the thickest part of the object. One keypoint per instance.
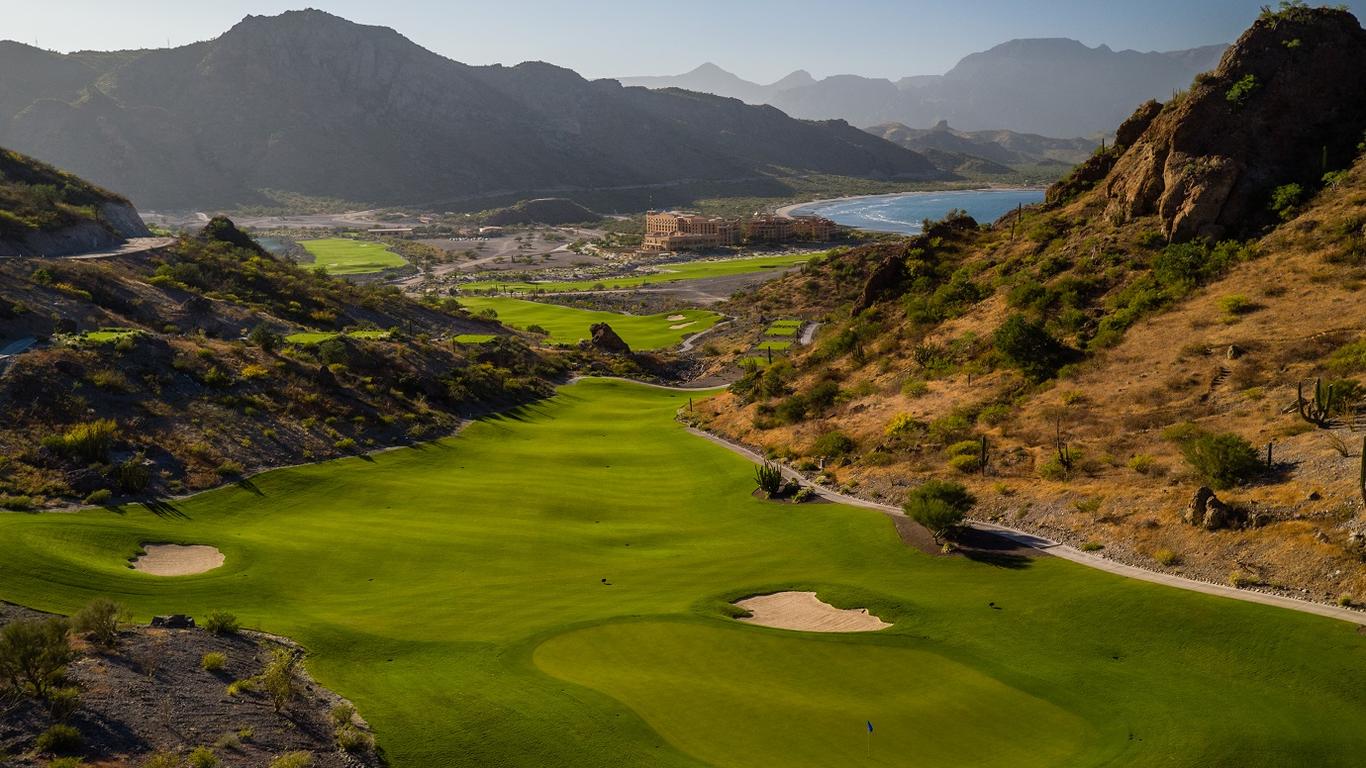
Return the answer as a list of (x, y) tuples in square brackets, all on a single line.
[(163, 508)]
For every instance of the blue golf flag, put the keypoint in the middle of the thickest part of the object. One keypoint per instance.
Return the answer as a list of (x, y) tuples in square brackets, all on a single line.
[(870, 726)]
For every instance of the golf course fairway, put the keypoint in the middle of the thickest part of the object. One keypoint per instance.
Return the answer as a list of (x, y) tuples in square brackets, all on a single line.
[(667, 273), (567, 325), (550, 588), (346, 256)]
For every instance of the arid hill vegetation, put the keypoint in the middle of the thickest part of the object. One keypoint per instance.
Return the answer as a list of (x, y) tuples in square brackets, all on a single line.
[(1086, 371)]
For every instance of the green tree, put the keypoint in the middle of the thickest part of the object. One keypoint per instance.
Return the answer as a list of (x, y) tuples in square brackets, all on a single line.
[(33, 652), (1223, 460), (940, 506), (1029, 346)]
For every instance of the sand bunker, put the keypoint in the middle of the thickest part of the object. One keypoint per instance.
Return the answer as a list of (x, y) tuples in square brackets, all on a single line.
[(676, 318), (681, 326), (803, 611), (178, 559)]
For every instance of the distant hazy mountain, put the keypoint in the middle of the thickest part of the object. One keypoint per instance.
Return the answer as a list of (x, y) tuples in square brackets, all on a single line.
[(312, 104), (1004, 147), (1048, 86)]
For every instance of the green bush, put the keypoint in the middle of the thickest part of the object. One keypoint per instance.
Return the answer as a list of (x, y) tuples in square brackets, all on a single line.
[(1092, 546), (202, 757), (16, 503), (965, 456), (59, 739), (352, 739), (33, 653), (89, 441), (939, 505), (65, 762), (1239, 93), (1285, 201), (99, 497), (213, 661), (833, 444), (1027, 345), (163, 760), (1167, 557), (228, 468), (1223, 460), (63, 702), (99, 621), (221, 623)]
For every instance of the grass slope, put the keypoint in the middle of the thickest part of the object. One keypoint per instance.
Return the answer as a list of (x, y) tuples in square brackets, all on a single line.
[(568, 325), (669, 273), (344, 256), (455, 591)]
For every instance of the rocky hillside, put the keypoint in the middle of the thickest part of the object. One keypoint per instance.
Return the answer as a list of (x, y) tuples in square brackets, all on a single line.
[(44, 211), (174, 370), (1109, 371), (309, 104)]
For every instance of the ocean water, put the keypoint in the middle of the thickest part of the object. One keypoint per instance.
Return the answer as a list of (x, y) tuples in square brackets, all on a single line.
[(903, 213)]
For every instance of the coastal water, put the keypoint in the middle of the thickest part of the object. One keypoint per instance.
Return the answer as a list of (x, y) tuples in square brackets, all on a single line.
[(903, 213)]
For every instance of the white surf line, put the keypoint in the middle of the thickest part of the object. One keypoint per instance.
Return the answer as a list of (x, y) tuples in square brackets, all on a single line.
[(1066, 552)]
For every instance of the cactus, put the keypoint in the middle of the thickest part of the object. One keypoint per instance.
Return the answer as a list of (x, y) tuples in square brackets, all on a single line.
[(984, 455), (1324, 404), (769, 476)]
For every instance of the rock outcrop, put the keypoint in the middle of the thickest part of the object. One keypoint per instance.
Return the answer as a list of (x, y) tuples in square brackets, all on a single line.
[(604, 339), (1284, 106)]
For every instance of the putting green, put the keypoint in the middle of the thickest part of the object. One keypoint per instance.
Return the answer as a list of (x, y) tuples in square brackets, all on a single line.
[(345, 256), (454, 589), (568, 325), (735, 698), (668, 273)]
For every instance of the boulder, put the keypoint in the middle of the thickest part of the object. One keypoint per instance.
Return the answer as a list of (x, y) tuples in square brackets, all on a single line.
[(174, 621), (1207, 511), (604, 339)]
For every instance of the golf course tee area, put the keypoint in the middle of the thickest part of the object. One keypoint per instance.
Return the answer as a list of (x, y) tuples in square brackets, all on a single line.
[(553, 587)]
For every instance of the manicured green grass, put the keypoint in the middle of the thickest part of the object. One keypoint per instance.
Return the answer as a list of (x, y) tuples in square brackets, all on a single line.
[(669, 273), (455, 591), (474, 338), (782, 330), (776, 346), (310, 338), (99, 337), (345, 256), (568, 325)]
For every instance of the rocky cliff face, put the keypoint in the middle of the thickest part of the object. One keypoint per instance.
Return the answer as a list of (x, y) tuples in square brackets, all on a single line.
[(1284, 106)]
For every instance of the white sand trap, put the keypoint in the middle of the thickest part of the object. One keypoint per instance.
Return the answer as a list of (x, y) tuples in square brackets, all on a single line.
[(681, 326), (804, 611), (178, 559), (676, 318)]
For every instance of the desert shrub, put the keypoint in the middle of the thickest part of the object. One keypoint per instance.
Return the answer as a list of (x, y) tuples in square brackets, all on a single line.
[(99, 497), (111, 380), (347, 444), (16, 503), (65, 762), (1027, 345), (939, 505), (228, 741), (769, 477), (1223, 460), (352, 739), (952, 427), (228, 468), (1092, 546), (221, 623), (1349, 358), (1236, 305), (59, 739), (1166, 557), (1142, 463), (133, 474), (278, 680), (202, 757), (903, 424), (804, 494), (537, 329), (89, 441), (263, 337), (99, 621), (33, 653), (63, 702), (1285, 201), (341, 714), (965, 456), (914, 388), (833, 444), (1241, 91), (293, 760), (213, 661)]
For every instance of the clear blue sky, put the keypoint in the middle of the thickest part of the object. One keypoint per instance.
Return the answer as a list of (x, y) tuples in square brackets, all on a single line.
[(758, 39)]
